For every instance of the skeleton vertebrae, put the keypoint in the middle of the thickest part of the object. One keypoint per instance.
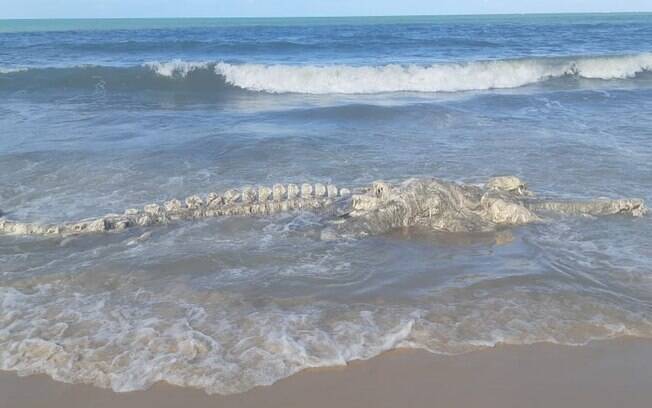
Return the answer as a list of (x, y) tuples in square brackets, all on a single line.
[(245, 201), (431, 203)]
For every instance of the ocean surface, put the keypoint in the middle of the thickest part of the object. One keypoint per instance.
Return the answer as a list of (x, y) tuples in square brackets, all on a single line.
[(97, 116)]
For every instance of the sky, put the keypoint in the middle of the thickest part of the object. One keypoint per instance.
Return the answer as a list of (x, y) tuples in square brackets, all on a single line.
[(292, 8)]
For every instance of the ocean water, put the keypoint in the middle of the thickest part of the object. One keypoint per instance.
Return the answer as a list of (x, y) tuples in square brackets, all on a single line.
[(97, 116)]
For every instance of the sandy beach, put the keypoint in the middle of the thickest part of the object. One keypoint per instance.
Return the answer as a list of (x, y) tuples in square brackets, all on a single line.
[(606, 374)]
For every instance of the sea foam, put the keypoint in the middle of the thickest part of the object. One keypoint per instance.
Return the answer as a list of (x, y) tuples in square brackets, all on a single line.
[(130, 338), (450, 77), (6, 70), (176, 68)]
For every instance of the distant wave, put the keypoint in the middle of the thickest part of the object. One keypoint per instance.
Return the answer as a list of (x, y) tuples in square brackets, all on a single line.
[(221, 46), (207, 76), (11, 70)]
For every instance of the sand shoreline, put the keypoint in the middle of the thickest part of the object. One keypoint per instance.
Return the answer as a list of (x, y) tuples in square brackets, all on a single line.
[(613, 373)]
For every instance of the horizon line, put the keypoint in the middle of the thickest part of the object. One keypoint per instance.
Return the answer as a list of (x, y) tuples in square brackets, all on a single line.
[(331, 16)]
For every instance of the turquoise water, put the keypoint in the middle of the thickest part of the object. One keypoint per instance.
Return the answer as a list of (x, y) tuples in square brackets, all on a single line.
[(35, 25), (97, 116)]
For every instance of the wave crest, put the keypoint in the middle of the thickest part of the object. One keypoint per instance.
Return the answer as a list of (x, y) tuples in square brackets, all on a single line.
[(4, 70), (481, 75), (176, 68)]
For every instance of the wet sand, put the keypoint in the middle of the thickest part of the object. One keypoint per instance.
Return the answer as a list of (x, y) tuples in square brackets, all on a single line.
[(615, 373)]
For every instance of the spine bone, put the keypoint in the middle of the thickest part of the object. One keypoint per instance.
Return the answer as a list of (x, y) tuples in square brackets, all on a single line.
[(231, 196), (264, 193), (248, 195), (331, 191), (320, 190), (293, 191), (306, 190), (278, 192), (250, 201)]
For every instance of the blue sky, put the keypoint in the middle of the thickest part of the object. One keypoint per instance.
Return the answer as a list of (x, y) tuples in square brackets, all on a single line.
[(276, 8)]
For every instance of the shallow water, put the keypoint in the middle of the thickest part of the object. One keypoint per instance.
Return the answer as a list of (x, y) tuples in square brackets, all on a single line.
[(97, 117)]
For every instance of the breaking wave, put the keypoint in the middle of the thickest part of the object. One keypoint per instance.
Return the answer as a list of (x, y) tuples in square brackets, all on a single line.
[(470, 76), (4, 70), (333, 79), (176, 68)]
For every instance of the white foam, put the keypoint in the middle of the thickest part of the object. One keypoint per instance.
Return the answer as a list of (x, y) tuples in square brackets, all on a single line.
[(176, 68), (619, 67), (7, 70), (451, 77), (127, 339)]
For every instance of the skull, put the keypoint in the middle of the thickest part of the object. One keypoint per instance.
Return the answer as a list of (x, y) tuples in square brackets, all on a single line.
[(370, 201)]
